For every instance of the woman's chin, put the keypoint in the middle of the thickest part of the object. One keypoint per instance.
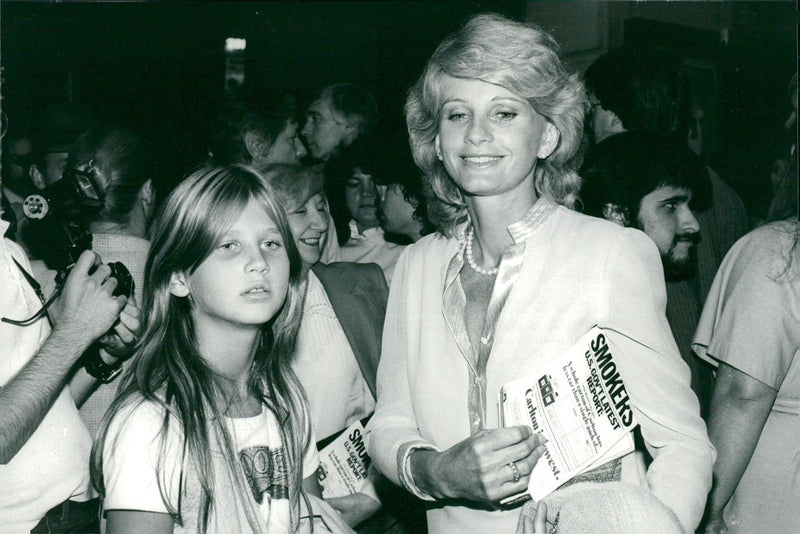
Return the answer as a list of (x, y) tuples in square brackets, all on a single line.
[(310, 257)]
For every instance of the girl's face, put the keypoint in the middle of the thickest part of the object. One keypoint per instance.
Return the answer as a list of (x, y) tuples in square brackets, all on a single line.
[(490, 138), (243, 283), (361, 197), (309, 223)]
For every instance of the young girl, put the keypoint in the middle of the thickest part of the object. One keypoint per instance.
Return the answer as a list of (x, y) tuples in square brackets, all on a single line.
[(209, 432)]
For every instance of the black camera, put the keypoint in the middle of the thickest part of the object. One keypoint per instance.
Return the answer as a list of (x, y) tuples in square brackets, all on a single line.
[(56, 226), (125, 284)]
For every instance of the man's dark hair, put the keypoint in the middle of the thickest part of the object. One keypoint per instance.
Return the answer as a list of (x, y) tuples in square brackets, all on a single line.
[(399, 169), (249, 109), (361, 155), (388, 163), (626, 167), (648, 89)]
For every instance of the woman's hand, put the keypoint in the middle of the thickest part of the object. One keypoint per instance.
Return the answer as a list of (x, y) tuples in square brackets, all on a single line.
[(355, 508), (533, 518), (480, 468)]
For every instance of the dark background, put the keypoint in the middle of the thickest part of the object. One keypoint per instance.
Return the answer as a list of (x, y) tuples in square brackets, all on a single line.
[(159, 67)]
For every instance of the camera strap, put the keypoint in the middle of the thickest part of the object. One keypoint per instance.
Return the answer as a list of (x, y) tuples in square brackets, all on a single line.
[(31, 280), (38, 290)]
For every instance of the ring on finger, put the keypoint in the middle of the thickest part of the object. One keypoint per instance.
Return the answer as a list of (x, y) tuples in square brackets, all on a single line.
[(514, 471)]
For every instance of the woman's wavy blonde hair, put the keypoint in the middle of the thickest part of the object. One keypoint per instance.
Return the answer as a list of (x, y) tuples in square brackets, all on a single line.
[(521, 58)]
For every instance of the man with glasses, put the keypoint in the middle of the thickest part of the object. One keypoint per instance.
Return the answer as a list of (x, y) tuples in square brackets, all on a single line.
[(341, 113)]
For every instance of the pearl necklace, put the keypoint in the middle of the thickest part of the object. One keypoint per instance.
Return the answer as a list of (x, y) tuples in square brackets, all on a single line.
[(471, 261)]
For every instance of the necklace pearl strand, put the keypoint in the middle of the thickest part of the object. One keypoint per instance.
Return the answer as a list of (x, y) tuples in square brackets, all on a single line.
[(471, 261)]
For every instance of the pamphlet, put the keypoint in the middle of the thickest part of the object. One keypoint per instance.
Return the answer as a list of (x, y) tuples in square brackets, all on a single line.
[(343, 463), (580, 404)]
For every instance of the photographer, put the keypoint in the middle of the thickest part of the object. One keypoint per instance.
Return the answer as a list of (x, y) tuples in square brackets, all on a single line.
[(44, 445), (119, 165)]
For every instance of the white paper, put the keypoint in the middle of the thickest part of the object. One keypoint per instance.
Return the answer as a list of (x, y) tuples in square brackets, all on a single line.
[(343, 463), (579, 403)]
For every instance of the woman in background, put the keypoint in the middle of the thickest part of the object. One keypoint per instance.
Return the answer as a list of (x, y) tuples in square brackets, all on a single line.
[(339, 341)]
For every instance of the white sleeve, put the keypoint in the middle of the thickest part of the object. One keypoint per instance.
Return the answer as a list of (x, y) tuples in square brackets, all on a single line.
[(657, 380), (392, 432), (130, 458)]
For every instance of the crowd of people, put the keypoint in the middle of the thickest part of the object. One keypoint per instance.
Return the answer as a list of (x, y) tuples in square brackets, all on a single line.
[(177, 364)]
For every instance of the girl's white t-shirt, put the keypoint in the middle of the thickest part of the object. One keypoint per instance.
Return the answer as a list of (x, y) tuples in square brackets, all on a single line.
[(131, 470)]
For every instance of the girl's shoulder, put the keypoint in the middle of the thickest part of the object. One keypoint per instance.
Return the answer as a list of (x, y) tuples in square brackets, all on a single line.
[(139, 416)]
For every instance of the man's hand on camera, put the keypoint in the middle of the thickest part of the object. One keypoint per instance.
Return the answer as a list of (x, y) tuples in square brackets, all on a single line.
[(119, 342), (86, 307)]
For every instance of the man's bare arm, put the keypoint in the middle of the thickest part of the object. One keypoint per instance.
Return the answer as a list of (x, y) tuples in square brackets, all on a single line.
[(88, 311), (27, 398)]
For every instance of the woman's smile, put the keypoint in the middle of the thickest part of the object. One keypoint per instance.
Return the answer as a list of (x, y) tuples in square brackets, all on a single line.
[(481, 161), (310, 241)]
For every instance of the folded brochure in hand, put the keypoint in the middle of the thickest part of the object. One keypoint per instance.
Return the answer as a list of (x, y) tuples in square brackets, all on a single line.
[(343, 463), (580, 404)]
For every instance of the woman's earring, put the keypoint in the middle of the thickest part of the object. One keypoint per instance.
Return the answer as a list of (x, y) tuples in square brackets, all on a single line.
[(439, 155)]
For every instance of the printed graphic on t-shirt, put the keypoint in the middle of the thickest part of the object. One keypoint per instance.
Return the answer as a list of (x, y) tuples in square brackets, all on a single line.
[(265, 470)]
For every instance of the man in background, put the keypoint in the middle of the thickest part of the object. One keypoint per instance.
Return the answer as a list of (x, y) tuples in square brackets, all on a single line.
[(656, 184), (340, 114)]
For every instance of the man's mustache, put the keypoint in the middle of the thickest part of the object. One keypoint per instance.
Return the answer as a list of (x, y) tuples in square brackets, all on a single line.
[(689, 237)]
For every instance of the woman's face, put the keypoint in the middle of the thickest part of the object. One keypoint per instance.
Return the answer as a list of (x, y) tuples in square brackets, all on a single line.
[(309, 223), (361, 197), (490, 138)]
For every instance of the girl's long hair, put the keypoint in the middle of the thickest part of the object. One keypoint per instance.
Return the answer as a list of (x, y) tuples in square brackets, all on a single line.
[(168, 369)]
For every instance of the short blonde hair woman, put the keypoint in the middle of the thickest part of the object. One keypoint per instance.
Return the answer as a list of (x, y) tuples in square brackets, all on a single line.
[(510, 281)]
